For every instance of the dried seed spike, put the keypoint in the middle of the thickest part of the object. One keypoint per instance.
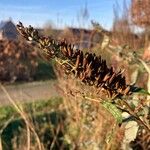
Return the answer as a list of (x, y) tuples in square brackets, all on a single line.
[(20, 24), (87, 53), (104, 64), (112, 77), (84, 62), (65, 42), (53, 41), (111, 70), (90, 57), (117, 85), (36, 36), (123, 80), (89, 72), (24, 35), (30, 29), (99, 58), (69, 50), (99, 69), (19, 27), (78, 52), (89, 67), (95, 58), (83, 75), (77, 62), (63, 50), (126, 91), (48, 43), (109, 93), (107, 76), (81, 58)]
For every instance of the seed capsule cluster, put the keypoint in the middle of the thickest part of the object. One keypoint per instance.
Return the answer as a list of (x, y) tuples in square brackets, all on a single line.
[(93, 70), (88, 67)]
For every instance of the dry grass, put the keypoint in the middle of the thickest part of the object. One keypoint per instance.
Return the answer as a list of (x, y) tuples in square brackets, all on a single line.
[(29, 125), (89, 125), (32, 131)]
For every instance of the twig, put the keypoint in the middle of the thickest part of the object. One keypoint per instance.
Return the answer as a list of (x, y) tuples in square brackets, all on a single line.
[(129, 110), (136, 117)]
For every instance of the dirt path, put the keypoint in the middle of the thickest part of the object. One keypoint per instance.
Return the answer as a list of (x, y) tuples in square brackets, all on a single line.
[(29, 91)]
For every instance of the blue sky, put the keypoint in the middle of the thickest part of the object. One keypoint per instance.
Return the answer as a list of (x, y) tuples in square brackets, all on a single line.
[(60, 12)]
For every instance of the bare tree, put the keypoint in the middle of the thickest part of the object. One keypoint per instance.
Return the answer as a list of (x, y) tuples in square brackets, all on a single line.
[(122, 30), (140, 12), (140, 15)]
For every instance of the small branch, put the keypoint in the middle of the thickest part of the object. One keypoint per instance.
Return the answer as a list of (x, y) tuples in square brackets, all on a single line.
[(62, 62), (136, 117), (145, 65), (129, 110), (92, 99)]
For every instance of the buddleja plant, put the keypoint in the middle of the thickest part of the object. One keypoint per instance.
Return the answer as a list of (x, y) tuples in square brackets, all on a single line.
[(91, 70)]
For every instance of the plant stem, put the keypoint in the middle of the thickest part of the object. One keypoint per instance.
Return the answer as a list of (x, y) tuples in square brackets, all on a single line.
[(136, 117), (129, 110)]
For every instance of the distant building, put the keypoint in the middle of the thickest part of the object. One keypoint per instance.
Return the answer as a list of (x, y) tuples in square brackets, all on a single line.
[(85, 38), (78, 36), (8, 30)]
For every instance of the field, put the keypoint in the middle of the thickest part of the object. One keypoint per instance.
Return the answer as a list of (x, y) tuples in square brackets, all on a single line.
[(27, 92), (44, 117)]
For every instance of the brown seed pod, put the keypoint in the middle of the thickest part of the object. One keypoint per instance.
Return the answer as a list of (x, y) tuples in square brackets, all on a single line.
[(126, 91), (107, 76), (63, 50), (77, 62), (69, 49), (112, 77)]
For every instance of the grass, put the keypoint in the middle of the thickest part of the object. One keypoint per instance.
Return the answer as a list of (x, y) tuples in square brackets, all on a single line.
[(54, 124), (32, 108), (46, 117)]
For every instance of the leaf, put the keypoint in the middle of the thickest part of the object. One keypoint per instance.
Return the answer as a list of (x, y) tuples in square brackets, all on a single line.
[(113, 110), (141, 90), (131, 130)]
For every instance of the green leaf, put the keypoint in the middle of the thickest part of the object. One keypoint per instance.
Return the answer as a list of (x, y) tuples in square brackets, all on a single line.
[(113, 110), (141, 90)]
